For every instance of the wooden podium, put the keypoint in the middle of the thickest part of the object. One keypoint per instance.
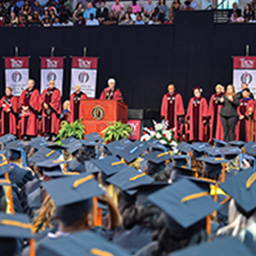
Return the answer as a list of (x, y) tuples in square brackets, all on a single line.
[(97, 114)]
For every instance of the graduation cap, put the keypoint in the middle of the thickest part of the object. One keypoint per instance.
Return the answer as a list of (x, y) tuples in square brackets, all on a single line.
[(199, 148), (15, 226), (185, 205), (7, 138), (249, 146), (129, 178), (51, 168), (89, 143), (180, 160), (212, 166), (251, 159), (232, 152), (131, 152), (220, 246), (116, 146), (214, 152), (90, 167), (35, 199), (184, 147), (17, 152), (15, 144), (237, 143), (219, 143), (57, 147), (77, 188), (242, 187), (74, 147), (94, 137), (69, 140), (3, 156), (109, 165), (43, 154), (157, 157), (154, 144), (179, 171), (38, 143), (75, 245)]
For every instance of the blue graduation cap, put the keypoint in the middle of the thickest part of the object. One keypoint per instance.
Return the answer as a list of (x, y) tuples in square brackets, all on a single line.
[(180, 160), (237, 143), (109, 165), (242, 187), (129, 178), (15, 144), (220, 246), (72, 148), (116, 146), (43, 154), (219, 143), (184, 203), (94, 137), (154, 144), (7, 138), (131, 152), (75, 245), (214, 152), (249, 147), (51, 168), (15, 226), (199, 148), (77, 188), (38, 143), (157, 157), (184, 147), (69, 140)]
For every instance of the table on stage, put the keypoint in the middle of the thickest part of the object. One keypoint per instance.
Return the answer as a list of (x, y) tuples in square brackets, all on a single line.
[(98, 114)]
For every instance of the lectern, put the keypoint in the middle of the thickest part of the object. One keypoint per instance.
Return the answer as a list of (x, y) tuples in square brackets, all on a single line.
[(97, 114)]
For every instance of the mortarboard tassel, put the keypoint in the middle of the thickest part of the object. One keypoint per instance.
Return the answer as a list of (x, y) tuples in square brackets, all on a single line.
[(32, 244), (208, 225), (9, 193), (98, 252), (223, 172)]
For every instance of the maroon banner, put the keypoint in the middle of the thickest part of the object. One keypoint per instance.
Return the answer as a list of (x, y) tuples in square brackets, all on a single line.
[(84, 62)]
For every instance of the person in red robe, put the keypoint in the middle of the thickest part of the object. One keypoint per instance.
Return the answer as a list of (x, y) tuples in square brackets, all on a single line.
[(244, 110), (9, 109), (29, 104), (216, 129), (111, 92), (51, 110), (197, 115), (75, 106), (172, 108)]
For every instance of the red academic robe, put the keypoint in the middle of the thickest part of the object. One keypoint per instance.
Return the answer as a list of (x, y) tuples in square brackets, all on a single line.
[(29, 123), (8, 119), (172, 107), (197, 112), (216, 129), (75, 105), (53, 98), (242, 128), (108, 94)]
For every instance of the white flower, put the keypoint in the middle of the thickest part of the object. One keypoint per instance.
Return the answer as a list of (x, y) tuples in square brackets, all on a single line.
[(158, 136), (168, 134), (159, 127), (152, 133), (145, 137), (163, 142)]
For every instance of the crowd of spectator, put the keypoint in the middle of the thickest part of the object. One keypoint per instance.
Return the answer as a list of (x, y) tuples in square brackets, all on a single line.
[(236, 15), (54, 13)]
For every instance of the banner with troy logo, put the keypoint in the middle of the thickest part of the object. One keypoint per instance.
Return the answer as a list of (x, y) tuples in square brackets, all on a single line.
[(51, 69), (244, 71), (16, 73), (84, 73)]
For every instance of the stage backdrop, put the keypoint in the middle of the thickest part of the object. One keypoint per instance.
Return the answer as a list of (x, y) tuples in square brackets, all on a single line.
[(84, 73), (244, 72), (16, 73), (51, 69)]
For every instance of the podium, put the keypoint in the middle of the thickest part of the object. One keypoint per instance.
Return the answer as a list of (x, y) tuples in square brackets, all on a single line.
[(97, 114)]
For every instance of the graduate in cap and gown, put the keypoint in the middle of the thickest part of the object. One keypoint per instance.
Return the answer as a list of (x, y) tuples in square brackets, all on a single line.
[(111, 92), (172, 108), (51, 109), (216, 129), (245, 111), (9, 109), (29, 103), (197, 115), (75, 103)]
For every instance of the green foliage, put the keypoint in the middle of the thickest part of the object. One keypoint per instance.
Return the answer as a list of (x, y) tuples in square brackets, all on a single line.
[(75, 129), (117, 131)]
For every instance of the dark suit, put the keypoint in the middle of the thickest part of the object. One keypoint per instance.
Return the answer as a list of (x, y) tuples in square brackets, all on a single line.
[(240, 96), (229, 117), (238, 12), (102, 13)]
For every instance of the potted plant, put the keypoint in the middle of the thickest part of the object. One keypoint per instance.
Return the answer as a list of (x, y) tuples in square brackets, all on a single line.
[(75, 129), (116, 131)]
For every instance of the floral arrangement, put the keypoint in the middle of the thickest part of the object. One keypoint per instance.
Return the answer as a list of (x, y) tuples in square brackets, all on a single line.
[(160, 132)]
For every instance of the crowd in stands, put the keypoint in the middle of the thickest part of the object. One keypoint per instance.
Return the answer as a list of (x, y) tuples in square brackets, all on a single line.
[(55, 13), (236, 15)]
